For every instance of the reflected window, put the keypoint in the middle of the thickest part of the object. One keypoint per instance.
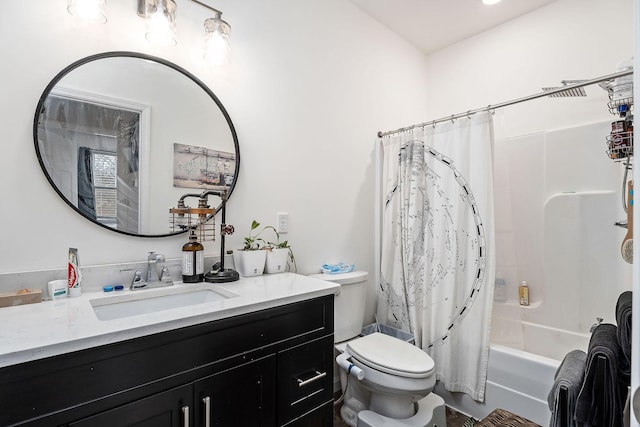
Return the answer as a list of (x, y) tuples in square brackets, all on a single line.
[(94, 150), (105, 167)]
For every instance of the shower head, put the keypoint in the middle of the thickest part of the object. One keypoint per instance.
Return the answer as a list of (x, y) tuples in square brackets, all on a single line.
[(570, 92)]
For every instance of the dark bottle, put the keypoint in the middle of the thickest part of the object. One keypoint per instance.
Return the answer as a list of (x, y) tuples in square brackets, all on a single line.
[(192, 260)]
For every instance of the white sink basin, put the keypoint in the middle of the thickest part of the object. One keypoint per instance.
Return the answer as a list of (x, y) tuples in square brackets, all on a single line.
[(134, 303)]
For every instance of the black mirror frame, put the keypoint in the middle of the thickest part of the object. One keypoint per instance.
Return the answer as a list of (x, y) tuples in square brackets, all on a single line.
[(143, 56)]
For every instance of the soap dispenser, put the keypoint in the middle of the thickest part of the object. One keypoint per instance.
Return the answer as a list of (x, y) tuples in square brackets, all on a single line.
[(192, 260)]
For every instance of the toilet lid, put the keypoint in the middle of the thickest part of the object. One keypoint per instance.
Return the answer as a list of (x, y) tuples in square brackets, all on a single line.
[(391, 355)]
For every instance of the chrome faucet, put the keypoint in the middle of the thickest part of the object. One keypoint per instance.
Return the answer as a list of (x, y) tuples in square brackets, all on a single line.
[(155, 279), (595, 325)]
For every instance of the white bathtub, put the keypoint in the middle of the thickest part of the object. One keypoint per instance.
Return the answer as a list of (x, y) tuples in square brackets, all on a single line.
[(523, 359), (517, 381)]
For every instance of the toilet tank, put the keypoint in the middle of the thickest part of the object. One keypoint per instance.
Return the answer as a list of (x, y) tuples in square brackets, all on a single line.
[(349, 304)]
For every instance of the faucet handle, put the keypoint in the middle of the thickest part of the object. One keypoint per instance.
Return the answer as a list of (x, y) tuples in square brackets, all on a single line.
[(595, 325), (137, 281), (165, 276)]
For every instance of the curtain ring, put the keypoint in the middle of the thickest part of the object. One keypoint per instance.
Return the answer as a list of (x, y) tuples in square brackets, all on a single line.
[(490, 110), (433, 123), (469, 114), (452, 118)]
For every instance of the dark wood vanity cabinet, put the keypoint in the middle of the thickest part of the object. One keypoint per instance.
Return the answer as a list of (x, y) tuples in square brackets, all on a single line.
[(268, 368)]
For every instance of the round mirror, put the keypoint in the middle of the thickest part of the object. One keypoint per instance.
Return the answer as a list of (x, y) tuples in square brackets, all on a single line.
[(121, 136)]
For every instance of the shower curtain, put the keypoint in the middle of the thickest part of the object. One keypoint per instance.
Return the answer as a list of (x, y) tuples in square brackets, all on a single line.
[(437, 244)]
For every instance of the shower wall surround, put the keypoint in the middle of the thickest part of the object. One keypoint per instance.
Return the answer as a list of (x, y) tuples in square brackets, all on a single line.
[(558, 196)]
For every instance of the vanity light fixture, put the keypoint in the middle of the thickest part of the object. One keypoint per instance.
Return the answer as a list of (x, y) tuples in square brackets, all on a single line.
[(161, 28), (91, 11), (160, 16)]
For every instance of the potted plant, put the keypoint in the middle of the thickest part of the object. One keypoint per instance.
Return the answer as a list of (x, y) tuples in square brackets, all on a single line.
[(251, 259), (278, 255)]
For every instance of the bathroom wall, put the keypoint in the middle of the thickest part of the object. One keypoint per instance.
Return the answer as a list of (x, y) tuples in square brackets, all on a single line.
[(309, 85), (565, 40)]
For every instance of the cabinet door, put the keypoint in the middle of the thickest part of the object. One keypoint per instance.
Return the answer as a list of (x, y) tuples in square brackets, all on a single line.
[(242, 396), (170, 408)]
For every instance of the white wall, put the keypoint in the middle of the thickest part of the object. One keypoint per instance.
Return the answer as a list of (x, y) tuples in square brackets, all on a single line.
[(309, 86), (567, 39)]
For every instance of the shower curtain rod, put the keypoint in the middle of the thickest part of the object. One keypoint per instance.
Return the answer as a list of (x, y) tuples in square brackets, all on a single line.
[(512, 102)]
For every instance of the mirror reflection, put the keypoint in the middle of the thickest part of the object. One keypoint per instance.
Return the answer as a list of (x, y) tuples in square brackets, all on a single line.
[(121, 136)]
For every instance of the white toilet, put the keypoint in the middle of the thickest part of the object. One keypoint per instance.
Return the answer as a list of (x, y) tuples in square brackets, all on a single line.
[(391, 380)]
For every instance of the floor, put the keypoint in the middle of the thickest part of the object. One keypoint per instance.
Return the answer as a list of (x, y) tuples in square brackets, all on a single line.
[(454, 419)]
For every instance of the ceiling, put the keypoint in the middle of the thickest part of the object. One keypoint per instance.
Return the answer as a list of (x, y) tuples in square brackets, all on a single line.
[(435, 24)]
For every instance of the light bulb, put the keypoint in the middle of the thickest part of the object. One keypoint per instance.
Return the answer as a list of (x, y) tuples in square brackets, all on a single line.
[(92, 11), (161, 23), (217, 47)]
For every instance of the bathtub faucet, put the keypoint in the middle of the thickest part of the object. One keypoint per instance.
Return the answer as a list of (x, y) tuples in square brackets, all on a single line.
[(595, 325)]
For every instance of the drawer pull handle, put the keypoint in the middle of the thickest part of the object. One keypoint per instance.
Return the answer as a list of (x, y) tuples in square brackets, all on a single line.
[(185, 416), (207, 411), (312, 379)]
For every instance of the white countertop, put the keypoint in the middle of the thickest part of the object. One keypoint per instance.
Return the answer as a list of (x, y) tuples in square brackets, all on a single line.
[(35, 331)]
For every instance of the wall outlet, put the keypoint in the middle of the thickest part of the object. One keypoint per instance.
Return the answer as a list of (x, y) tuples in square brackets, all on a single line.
[(282, 223)]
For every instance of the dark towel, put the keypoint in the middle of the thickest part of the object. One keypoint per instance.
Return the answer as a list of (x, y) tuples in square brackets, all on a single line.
[(569, 376), (623, 318), (602, 400)]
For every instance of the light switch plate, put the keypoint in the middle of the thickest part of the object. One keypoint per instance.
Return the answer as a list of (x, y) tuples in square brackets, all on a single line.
[(282, 223)]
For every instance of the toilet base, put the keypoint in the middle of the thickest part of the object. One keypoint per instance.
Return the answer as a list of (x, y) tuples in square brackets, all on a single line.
[(431, 413)]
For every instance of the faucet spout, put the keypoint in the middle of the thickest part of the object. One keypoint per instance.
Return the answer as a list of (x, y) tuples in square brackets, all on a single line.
[(154, 260)]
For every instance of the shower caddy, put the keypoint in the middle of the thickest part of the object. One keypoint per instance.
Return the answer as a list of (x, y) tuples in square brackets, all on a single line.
[(620, 146), (620, 140)]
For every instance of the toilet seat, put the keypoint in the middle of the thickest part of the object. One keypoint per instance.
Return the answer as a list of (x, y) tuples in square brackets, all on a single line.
[(392, 356)]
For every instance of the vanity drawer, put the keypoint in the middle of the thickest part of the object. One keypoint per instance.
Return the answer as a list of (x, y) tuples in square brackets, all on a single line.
[(305, 378), (319, 417)]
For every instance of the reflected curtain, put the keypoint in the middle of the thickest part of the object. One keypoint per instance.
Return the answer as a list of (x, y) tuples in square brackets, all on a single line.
[(437, 245), (86, 195)]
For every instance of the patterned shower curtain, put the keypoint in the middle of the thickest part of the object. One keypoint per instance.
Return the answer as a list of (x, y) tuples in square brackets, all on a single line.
[(437, 245)]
